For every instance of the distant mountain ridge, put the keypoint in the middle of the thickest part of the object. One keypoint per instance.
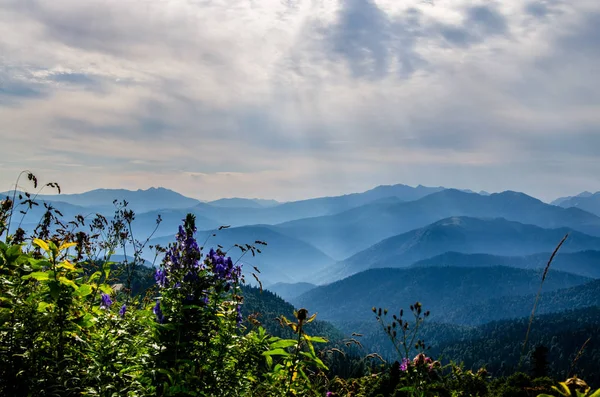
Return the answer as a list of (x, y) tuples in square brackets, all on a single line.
[(560, 200), (588, 202), (349, 232), (583, 263), (289, 291), (439, 289), (309, 208), (466, 235), (243, 202), (139, 200), (283, 259)]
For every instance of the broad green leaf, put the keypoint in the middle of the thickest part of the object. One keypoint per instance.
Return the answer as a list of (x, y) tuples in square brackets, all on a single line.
[(54, 289), (316, 339), (105, 288), (66, 281), (276, 352), (40, 276), (39, 263), (595, 394), (44, 307), (95, 276), (53, 248), (84, 290), (42, 244), (106, 268), (283, 343), (87, 321), (67, 265), (65, 246), (13, 252)]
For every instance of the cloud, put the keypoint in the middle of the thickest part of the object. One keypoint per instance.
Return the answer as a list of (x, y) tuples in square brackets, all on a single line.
[(293, 99)]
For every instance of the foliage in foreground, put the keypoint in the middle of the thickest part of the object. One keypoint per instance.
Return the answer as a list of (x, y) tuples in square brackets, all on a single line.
[(68, 328)]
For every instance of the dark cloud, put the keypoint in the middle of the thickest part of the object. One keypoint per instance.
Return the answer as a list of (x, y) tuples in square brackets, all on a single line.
[(583, 38), (14, 91), (486, 20), (537, 9), (369, 40), (74, 78), (91, 27), (479, 23), (19, 89)]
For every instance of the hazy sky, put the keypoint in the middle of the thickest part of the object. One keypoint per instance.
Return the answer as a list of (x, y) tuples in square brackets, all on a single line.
[(300, 98)]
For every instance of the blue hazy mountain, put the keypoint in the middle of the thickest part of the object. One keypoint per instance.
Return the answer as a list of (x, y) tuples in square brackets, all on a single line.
[(289, 291), (583, 263), (250, 214), (439, 289), (139, 200), (466, 235), (283, 259), (499, 308), (243, 203), (145, 223), (560, 200), (587, 202), (344, 234)]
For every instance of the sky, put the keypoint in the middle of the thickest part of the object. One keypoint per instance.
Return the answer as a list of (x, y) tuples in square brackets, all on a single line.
[(291, 99)]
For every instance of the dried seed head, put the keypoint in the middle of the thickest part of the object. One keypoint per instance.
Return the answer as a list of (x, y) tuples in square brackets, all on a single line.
[(6, 204), (302, 314)]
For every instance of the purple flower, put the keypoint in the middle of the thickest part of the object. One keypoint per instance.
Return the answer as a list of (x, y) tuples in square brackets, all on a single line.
[(238, 317), (404, 364), (106, 301), (161, 277), (329, 394), (122, 311), (159, 315)]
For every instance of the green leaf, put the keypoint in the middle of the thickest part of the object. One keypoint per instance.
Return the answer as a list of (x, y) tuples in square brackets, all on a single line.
[(276, 352), (42, 244), (105, 288), (65, 246), (106, 268), (84, 290), (40, 276), (66, 281), (86, 321), (596, 393), (44, 307), (39, 263), (13, 252), (54, 289), (94, 276), (317, 339), (283, 343)]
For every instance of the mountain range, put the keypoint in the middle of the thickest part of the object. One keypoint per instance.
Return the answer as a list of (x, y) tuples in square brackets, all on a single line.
[(584, 263), (466, 235), (586, 201), (439, 289), (470, 258), (284, 258), (346, 233)]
